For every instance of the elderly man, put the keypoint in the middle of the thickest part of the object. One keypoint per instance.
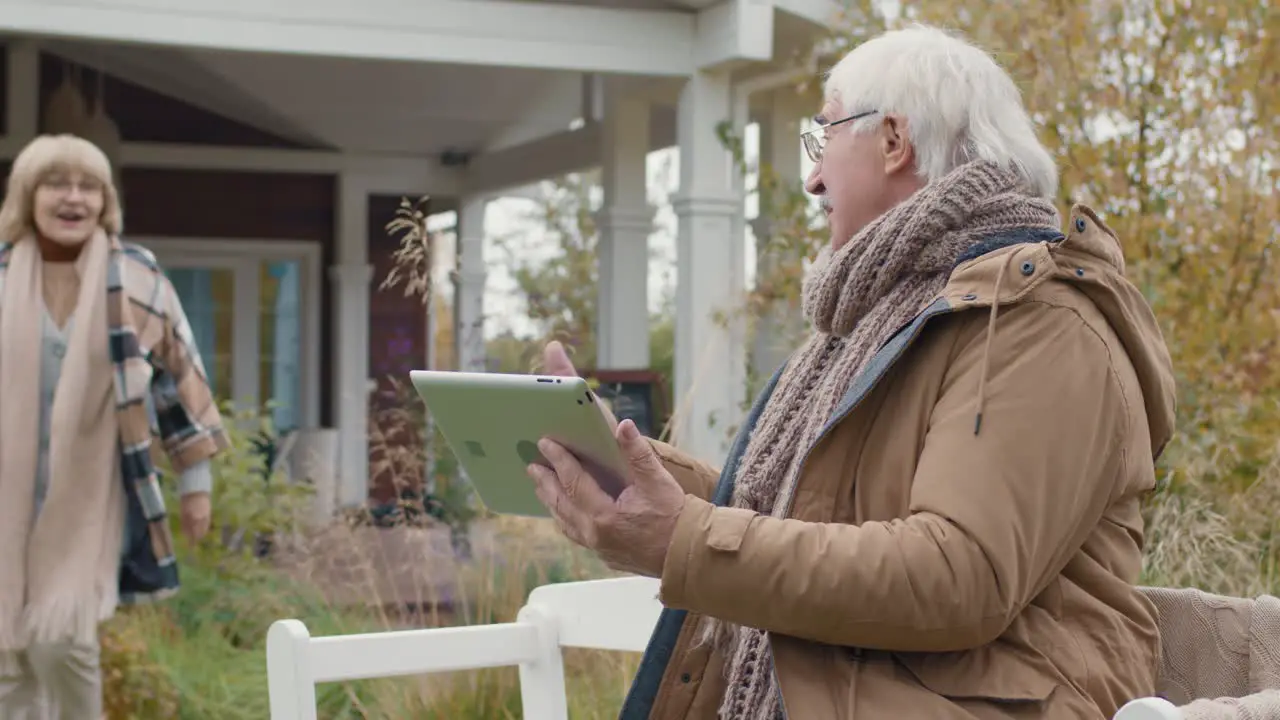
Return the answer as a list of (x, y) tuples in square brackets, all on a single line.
[(932, 511)]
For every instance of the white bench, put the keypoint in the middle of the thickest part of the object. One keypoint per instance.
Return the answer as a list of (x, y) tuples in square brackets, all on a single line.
[(614, 614)]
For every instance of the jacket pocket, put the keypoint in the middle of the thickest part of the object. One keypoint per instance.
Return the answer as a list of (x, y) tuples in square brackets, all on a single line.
[(983, 674)]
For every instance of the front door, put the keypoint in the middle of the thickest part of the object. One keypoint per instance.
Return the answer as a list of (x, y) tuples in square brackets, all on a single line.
[(246, 310)]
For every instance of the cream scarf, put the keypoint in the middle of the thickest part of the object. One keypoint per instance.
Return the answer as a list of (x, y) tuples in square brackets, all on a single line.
[(58, 571), (856, 298)]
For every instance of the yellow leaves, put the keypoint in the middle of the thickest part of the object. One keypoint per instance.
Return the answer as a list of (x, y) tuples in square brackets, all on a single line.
[(412, 261), (1163, 115), (133, 685), (1157, 116)]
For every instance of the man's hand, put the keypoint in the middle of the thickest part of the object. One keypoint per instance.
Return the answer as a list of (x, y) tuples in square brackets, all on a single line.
[(196, 513), (555, 361), (630, 534)]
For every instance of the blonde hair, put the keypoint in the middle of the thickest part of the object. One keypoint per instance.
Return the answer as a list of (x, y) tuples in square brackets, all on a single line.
[(48, 154)]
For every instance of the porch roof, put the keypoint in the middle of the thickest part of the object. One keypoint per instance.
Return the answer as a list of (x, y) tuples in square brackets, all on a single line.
[(491, 84)]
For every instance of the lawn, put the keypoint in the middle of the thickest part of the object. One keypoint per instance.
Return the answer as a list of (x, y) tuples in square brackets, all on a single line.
[(200, 655)]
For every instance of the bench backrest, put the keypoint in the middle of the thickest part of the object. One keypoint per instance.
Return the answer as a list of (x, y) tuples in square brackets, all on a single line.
[(613, 614)]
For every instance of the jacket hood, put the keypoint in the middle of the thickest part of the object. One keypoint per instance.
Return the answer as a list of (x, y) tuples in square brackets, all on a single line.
[(1089, 258)]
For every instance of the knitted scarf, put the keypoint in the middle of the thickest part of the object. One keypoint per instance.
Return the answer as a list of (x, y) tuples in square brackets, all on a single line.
[(856, 298), (58, 569)]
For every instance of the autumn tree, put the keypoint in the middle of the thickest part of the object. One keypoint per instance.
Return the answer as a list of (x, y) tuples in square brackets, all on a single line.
[(558, 288)]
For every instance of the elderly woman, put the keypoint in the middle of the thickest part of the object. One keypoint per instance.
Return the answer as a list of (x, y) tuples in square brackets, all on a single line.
[(933, 509), (89, 327)]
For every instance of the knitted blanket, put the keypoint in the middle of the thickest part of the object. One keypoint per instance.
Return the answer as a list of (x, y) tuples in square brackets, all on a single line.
[(1220, 656)]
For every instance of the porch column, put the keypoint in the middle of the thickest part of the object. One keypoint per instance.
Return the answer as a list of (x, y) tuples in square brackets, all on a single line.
[(625, 222), (351, 277), (469, 282), (776, 330), (22, 96), (710, 366)]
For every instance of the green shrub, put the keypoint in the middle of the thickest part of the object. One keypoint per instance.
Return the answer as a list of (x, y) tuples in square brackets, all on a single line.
[(201, 654)]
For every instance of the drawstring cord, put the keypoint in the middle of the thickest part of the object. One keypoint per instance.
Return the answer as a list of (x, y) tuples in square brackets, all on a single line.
[(986, 351)]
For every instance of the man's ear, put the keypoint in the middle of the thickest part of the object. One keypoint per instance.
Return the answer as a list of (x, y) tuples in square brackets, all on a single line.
[(895, 145)]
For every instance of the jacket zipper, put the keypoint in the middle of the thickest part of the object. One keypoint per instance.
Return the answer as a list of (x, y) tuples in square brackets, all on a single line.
[(835, 420), (917, 327)]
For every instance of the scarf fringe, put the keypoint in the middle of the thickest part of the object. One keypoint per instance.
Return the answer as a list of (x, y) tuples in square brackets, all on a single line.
[(716, 634), (11, 663), (12, 637), (70, 617)]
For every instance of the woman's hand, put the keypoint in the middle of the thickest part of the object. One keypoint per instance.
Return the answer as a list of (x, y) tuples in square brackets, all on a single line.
[(197, 511)]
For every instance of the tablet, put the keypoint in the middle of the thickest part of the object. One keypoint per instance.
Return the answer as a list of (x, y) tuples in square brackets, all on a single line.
[(493, 422)]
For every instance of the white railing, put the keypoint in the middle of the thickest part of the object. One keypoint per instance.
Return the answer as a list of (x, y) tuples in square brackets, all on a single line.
[(615, 614)]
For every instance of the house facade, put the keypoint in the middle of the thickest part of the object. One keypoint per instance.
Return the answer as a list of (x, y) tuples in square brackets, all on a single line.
[(261, 149)]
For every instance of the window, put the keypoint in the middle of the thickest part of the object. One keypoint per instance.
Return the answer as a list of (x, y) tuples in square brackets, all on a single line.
[(253, 308)]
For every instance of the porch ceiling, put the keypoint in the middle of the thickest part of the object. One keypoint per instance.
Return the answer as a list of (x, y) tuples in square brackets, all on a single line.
[(380, 106), (357, 105)]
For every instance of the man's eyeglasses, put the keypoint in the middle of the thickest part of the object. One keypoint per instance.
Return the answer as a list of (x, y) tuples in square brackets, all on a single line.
[(816, 139)]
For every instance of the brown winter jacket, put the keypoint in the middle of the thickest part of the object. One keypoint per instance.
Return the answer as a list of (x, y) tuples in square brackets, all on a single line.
[(925, 570)]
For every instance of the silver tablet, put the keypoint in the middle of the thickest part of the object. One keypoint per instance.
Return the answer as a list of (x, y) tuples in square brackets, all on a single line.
[(493, 422)]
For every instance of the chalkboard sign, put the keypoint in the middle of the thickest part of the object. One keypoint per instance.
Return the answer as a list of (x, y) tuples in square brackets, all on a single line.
[(635, 395)]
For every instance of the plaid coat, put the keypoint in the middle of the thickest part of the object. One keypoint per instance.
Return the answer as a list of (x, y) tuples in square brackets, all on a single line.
[(154, 357)]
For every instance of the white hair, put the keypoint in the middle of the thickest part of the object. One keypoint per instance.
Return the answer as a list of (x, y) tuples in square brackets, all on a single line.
[(959, 104)]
